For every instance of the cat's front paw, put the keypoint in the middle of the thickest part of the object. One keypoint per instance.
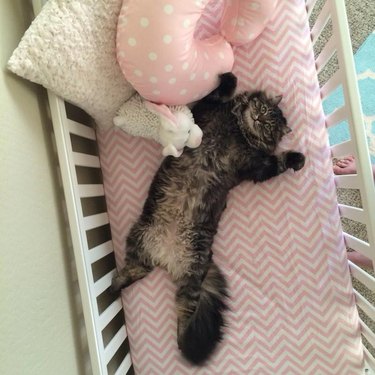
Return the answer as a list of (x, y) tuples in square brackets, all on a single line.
[(294, 160)]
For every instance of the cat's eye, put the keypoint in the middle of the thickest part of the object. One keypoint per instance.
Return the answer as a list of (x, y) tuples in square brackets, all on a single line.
[(268, 127), (263, 109)]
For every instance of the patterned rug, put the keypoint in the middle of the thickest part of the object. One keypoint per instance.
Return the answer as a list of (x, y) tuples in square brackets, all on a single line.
[(365, 68)]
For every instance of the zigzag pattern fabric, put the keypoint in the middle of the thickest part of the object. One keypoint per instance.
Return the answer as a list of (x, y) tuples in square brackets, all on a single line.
[(279, 243)]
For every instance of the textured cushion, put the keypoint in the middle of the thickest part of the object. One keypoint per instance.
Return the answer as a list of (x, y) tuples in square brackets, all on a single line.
[(70, 49)]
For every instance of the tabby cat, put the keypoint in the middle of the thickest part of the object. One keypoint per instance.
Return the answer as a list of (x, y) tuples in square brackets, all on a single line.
[(187, 197)]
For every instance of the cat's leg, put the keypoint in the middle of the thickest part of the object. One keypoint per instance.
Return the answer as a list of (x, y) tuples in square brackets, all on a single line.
[(137, 262), (272, 165), (133, 270), (226, 89)]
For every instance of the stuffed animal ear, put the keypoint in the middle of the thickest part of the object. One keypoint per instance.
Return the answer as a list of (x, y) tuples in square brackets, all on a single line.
[(170, 121)]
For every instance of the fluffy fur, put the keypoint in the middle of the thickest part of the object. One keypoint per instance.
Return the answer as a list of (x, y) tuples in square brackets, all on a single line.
[(186, 199)]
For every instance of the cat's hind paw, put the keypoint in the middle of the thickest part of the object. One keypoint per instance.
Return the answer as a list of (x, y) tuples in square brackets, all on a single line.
[(294, 160), (115, 286)]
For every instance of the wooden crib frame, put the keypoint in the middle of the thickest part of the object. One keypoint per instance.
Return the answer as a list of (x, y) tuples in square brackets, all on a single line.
[(93, 249)]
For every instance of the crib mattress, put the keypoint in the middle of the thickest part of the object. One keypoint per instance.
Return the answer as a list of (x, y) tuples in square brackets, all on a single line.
[(279, 243)]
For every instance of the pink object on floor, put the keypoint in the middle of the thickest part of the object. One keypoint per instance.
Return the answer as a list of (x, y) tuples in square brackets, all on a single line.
[(279, 243)]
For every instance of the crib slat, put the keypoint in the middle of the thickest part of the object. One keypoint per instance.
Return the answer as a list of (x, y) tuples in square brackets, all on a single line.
[(104, 283), (349, 181), (310, 6), (321, 21), (91, 190), (352, 100), (362, 276), (81, 130), (125, 365), (109, 313), (326, 53), (364, 305), (310, 3), (114, 344), (331, 84), (366, 331), (352, 213), (100, 251), (342, 149), (85, 160), (94, 221), (369, 359), (338, 115), (358, 245)]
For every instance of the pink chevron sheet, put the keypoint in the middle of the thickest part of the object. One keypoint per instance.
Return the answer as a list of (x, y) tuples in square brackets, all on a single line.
[(279, 243)]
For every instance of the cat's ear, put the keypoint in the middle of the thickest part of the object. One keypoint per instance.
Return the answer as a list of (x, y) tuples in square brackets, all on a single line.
[(276, 100), (237, 110), (286, 130), (239, 103)]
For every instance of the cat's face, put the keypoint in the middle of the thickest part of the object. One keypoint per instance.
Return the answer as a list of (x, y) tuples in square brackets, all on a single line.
[(261, 120)]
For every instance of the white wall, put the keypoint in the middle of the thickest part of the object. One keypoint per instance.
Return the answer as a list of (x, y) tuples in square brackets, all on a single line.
[(38, 325)]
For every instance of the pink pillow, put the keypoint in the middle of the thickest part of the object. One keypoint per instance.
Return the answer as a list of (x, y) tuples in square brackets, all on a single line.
[(244, 20), (160, 57)]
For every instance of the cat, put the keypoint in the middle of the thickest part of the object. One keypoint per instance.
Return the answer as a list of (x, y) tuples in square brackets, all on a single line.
[(186, 199)]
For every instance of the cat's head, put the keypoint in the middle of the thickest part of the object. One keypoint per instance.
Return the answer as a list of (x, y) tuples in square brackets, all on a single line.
[(261, 120)]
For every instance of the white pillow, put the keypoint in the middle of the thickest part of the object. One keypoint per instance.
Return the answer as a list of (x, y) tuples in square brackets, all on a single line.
[(70, 49)]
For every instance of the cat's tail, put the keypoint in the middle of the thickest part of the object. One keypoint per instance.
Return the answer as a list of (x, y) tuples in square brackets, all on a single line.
[(200, 316)]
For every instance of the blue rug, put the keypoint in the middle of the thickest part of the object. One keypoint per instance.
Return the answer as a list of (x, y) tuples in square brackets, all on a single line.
[(365, 67)]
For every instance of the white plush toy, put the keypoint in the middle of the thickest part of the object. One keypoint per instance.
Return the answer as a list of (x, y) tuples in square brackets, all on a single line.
[(173, 126)]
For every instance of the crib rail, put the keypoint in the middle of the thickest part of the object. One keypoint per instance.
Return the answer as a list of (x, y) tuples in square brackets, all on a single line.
[(339, 45), (93, 248), (90, 234)]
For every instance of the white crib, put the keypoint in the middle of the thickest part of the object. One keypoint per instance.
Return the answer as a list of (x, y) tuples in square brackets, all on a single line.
[(93, 250)]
